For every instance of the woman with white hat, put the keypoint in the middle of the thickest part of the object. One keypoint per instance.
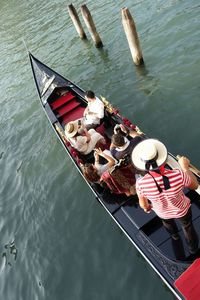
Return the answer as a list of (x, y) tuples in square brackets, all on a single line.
[(161, 189), (82, 140)]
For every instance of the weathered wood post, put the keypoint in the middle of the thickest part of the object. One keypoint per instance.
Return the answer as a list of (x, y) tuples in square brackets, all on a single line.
[(132, 36), (77, 23), (91, 27)]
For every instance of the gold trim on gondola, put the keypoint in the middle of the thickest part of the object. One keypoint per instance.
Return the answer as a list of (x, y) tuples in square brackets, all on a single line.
[(107, 105), (60, 132)]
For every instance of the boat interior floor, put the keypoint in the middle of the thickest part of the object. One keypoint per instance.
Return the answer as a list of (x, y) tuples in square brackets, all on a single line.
[(129, 214)]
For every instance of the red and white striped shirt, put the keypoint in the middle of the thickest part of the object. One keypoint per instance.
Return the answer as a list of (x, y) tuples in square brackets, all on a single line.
[(168, 204)]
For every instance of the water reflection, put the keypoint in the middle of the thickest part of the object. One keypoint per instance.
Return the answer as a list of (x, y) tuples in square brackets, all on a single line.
[(9, 256), (104, 54), (142, 70), (147, 83)]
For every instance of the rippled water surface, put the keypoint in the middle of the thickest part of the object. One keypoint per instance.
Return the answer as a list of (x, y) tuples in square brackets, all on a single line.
[(56, 241)]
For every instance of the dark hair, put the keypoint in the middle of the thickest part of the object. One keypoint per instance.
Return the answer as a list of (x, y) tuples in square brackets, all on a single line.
[(90, 94), (118, 140), (119, 131), (90, 173)]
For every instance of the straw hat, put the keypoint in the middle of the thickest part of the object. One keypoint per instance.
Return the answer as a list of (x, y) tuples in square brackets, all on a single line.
[(149, 154), (71, 129)]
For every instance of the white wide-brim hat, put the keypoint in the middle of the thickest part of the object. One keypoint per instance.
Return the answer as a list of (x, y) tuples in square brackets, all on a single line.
[(71, 129), (147, 152)]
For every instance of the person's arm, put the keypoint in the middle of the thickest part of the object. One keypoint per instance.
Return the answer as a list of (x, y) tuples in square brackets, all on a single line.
[(112, 147), (87, 135), (85, 111), (96, 156), (144, 204), (101, 110), (131, 133), (111, 161), (134, 133), (184, 164)]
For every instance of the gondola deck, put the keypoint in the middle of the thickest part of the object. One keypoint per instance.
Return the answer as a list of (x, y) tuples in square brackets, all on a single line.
[(63, 101)]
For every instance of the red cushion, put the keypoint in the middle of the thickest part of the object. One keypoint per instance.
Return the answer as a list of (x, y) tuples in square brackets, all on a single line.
[(73, 115), (63, 99), (67, 108), (189, 282)]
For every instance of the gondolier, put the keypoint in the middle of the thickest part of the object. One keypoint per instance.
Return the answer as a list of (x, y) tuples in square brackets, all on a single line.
[(164, 189)]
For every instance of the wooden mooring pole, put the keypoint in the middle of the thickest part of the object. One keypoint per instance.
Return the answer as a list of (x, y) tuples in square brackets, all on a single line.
[(77, 23), (132, 36), (91, 27)]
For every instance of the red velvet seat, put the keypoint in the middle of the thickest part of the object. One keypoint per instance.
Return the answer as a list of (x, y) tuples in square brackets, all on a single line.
[(188, 283), (62, 100)]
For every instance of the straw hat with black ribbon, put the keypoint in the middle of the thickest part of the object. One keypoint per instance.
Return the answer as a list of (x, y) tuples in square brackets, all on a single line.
[(149, 155), (71, 129)]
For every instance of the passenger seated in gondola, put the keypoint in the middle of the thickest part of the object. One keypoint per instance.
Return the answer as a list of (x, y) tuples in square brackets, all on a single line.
[(94, 111), (120, 180), (121, 146), (82, 139), (94, 171), (107, 156)]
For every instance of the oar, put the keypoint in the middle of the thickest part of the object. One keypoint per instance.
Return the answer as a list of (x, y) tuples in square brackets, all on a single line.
[(191, 167)]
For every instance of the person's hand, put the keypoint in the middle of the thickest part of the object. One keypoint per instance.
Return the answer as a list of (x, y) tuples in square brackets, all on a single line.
[(96, 156), (98, 151), (184, 163), (123, 128), (147, 209)]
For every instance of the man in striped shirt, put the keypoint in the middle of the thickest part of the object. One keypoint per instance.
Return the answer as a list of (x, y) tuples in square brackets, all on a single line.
[(161, 189)]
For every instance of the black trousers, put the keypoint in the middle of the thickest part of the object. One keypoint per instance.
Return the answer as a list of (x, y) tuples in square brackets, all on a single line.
[(187, 226)]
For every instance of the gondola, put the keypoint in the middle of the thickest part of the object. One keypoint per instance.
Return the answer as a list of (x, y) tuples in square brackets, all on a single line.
[(63, 101)]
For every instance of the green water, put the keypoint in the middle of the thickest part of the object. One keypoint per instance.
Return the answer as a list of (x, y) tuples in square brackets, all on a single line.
[(67, 246)]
